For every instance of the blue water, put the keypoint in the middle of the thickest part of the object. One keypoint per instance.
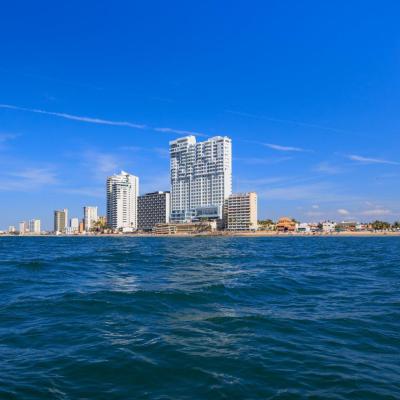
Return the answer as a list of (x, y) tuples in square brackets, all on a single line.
[(199, 318)]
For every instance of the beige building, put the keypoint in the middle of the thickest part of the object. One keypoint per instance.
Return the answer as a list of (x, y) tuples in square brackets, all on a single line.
[(241, 212), (60, 220)]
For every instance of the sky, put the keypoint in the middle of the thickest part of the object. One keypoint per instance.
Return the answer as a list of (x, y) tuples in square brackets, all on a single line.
[(309, 92)]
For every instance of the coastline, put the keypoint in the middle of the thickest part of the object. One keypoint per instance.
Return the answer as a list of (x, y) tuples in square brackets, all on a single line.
[(220, 235)]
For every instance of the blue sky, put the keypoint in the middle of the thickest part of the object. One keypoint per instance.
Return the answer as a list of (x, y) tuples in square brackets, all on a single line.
[(308, 91)]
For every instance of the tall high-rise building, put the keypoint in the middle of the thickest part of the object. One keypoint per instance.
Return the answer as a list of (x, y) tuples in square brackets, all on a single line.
[(241, 212), (122, 193), (153, 208), (201, 177), (34, 226), (90, 217), (60, 220)]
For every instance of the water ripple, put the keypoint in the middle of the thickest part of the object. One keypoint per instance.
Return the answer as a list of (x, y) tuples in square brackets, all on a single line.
[(196, 318)]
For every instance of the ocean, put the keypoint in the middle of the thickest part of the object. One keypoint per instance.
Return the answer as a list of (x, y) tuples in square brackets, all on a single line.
[(199, 318)]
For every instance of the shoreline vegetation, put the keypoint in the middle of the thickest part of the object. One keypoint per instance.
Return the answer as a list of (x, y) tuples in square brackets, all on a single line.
[(224, 234)]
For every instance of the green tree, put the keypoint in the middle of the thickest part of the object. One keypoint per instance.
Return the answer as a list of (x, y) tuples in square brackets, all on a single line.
[(380, 225)]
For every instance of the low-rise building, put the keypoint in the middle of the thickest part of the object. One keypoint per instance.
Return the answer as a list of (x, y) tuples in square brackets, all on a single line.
[(241, 212), (188, 228), (304, 227), (286, 224), (328, 226), (347, 226)]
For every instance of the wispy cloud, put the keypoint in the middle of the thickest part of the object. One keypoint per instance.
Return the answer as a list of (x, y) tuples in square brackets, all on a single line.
[(288, 121), (6, 137), (261, 160), (101, 121), (368, 160), (328, 168), (376, 212), (97, 192), (279, 147), (261, 181), (28, 179), (101, 164), (76, 117), (180, 132)]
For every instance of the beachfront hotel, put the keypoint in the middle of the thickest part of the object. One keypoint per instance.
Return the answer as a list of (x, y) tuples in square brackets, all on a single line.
[(122, 194), (241, 212), (201, 177), (153, 208)]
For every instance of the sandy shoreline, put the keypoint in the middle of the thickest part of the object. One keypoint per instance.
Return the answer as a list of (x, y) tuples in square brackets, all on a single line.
[(230, 234)]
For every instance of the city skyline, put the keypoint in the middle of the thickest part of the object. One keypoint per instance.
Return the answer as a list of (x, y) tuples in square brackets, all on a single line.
[(311, 109)]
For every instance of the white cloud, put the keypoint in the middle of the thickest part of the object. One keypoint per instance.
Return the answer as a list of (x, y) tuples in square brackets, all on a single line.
[(343, 211), (279, 147), (315, 206), (367, 160)]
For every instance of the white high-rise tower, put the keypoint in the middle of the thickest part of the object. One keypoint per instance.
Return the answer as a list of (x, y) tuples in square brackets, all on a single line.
[(90, 217), (122, 193), (201, 177)]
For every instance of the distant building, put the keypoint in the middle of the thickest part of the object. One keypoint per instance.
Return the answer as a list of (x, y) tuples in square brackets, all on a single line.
[(286, 224), (60, 220), (201, 176), (81, 227), (241, 212), (328, 226), (347, 226), (122, 193), (35, 226), (11, 229), (90, 217), (75, 225), (22, 228), (153, 208), (304, 227)]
